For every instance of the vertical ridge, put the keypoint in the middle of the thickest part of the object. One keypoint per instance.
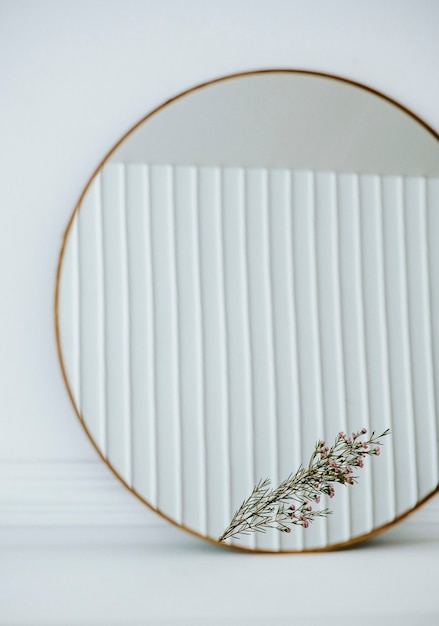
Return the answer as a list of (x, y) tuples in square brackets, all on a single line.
[(203, 352), (261, 332), (384, 278), (365, 379), (331, 340), (141, 335), (254, 538), (408, 331), (419, 327), (396, 302), (103, 324), (307, 323), (215, 356), (105, 316), (377, 359), (356, 382), (226, 343), (236, 305), (205, 494), (342, 342), (126, 297), (284, 338), (342, 336), (269, 234), (166, 341), (153, 336), (177, 356), (317, 322), (223, 316), (113, 201), (430, 228), (298, 424), (296, 258)]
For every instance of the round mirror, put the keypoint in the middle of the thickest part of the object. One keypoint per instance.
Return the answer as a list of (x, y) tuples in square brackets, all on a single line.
[(253, 268)]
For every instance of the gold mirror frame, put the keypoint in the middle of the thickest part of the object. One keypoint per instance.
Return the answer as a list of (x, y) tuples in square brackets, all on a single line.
[(201, 86)]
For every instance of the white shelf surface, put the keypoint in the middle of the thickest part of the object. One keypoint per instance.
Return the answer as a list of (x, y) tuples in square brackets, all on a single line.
[(77, 549), (132, 575)]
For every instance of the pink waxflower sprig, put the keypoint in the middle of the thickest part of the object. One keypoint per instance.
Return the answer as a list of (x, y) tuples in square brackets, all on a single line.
[(291, 503)]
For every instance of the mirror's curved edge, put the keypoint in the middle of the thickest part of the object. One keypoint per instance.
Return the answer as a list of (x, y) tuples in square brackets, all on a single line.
[(313, 122), (351, 541), (229, 77)]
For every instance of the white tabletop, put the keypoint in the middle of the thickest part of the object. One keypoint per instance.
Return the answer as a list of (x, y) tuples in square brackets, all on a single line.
[(132, 575)]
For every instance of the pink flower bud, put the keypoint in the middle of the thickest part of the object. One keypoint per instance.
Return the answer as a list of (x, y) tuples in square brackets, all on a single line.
[(377, 451)]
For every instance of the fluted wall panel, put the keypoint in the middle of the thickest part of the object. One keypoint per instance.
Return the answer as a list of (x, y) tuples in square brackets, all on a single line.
[(215, 322)]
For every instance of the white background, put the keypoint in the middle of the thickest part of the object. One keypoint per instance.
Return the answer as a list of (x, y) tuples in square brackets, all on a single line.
[(74, 76)]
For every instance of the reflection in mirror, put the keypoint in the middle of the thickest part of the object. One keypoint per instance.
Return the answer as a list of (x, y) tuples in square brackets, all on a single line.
[(255, 268)]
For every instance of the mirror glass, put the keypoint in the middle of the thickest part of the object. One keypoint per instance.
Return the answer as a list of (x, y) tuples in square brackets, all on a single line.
[(253, 268)]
